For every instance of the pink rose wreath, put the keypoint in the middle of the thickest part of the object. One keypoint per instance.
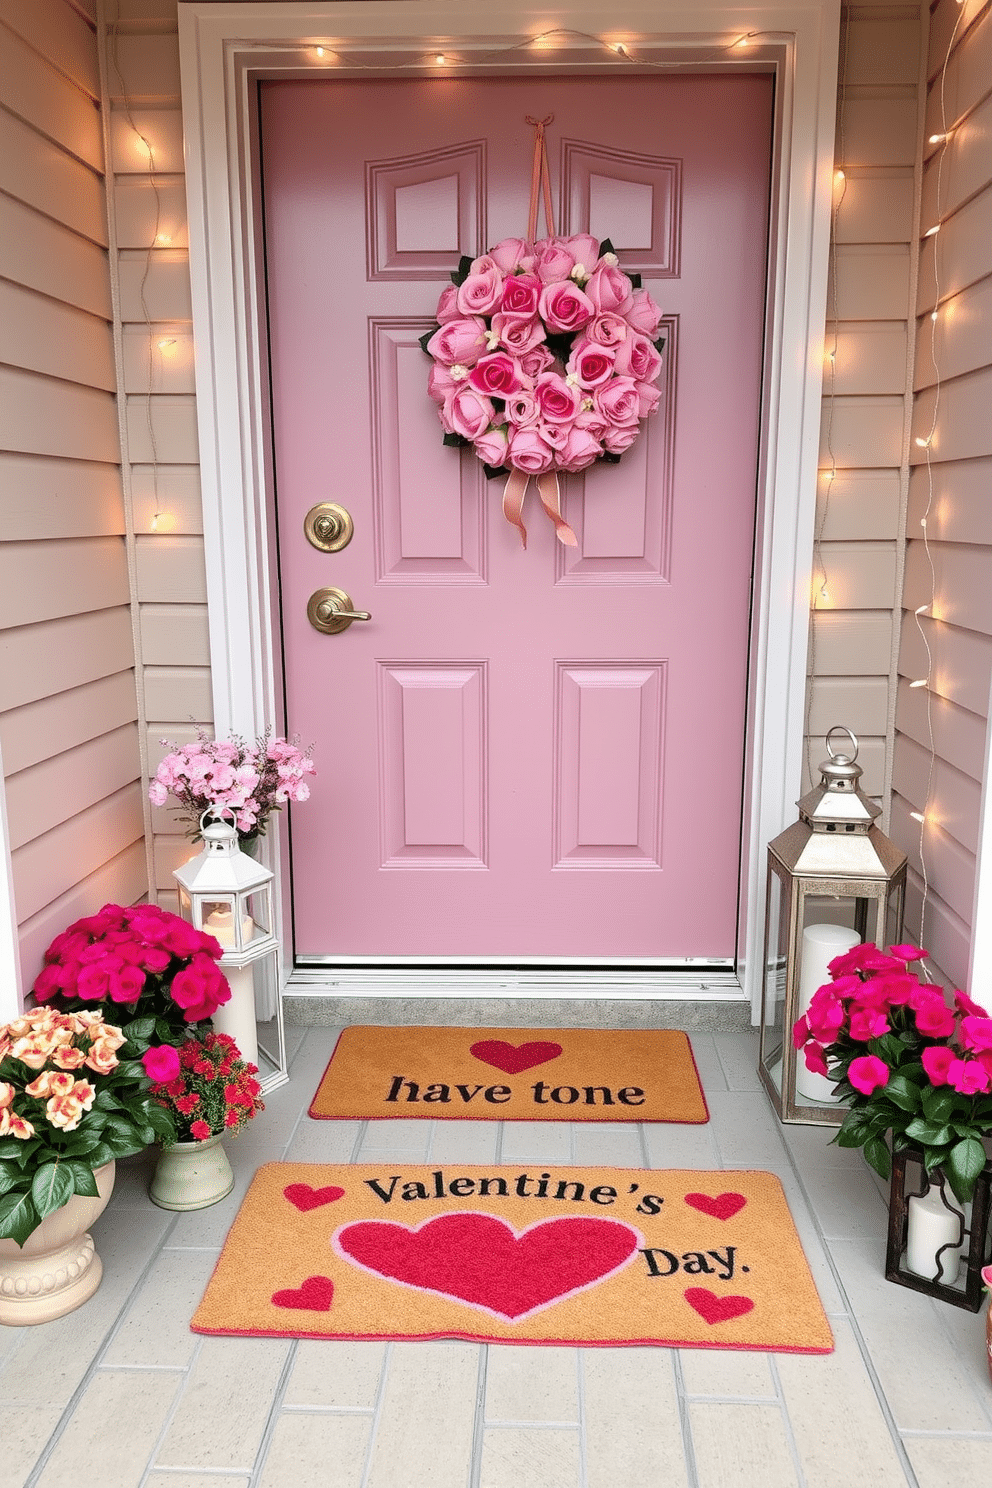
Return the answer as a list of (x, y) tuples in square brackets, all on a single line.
[(545, 358)]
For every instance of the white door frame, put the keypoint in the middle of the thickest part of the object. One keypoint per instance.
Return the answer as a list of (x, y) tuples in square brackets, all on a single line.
[(225, 47)]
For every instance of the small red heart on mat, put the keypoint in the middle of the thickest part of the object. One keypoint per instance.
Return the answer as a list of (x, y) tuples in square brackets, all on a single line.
[(481, 1260), (313, 1296), (514, 1059), (714, 1309), (304, 1197), (720, 1206)]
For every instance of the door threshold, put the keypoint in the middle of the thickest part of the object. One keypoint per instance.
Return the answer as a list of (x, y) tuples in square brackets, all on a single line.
[(420, 981)]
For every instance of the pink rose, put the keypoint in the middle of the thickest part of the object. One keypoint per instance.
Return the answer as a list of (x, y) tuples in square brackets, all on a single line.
[(536, 361), (592, 365), (607, 330), (552, 261), (518, 333), (580, 449), (584, 249), (648, 398), (976, 1032), (594, 423), (48, 983), (868, 1023), (497, 375), (816, 1059), (934, 1018), (512, 254), (521, 293), (609, 289), (557, 400), (964, 1004), (161, 1063), (199, 989), (618, 401), (620, 438), (126, 985), (937, 1061), (826, 1014), (468, 412), (522, 410), (637, 358), (183, 939), (447, 306), (868, 1073), (554, 434), (462, 341), (969, 1077), (491, 446), (564, 307), (528, 451), (440, 383), (482, 291), (643, 314)]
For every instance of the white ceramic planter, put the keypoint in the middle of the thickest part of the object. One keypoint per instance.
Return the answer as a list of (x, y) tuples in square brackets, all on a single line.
[(57, 1269), (192, 1175)]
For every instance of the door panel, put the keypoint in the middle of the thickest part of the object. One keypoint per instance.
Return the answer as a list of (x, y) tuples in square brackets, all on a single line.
[(524, 754)]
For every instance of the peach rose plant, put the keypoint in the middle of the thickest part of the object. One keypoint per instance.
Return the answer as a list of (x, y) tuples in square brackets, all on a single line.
[(914, 1068), (73, 1096)]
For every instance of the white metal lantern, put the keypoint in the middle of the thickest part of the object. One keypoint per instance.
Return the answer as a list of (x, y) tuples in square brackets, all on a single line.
[(834, 880), (229, 895)]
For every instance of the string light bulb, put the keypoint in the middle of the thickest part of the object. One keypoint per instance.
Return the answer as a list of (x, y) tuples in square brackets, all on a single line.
[(918, 816), (440, 59), (320, 51), (932, 232), (920, 682)]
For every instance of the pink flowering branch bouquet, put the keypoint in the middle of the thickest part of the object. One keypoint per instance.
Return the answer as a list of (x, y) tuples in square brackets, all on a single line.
[(250, 780), (213, 1090), (73, 1096), (151, 967), (546, 355), (904, 1061)]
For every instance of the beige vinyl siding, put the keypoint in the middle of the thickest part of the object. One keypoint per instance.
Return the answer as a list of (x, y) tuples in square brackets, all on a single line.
[(161, 451), (68, 709), (945, 779), (867, 400)]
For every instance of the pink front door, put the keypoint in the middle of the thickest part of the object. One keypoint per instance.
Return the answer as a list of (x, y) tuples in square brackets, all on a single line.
[(524, 754)]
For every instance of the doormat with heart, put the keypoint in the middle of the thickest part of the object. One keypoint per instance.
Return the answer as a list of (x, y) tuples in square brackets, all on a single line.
[(517, 1255), (511, 1074)]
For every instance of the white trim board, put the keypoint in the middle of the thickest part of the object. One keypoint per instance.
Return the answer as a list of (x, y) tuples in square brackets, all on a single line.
[(225, 47)]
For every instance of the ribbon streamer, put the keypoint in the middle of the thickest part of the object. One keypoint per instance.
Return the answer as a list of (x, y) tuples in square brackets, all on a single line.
[(540, 177), (550, 493)]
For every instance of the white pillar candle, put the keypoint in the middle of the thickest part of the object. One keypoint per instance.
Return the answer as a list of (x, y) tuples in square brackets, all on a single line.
[(821, 943), (931, 1225), (220, 924), (236, 1018)]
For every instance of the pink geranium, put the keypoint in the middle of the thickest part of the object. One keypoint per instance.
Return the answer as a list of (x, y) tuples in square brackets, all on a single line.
[(868, 1073)]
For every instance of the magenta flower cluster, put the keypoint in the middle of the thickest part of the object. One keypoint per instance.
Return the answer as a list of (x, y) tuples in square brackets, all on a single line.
[(250, 780), (544, 356), (143, 957), (861, 1000)]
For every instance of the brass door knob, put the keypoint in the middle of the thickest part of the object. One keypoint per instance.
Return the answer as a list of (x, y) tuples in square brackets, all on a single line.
[(328, 527), (331, 611)]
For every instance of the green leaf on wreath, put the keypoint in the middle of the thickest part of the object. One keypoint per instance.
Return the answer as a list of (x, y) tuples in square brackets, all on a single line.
[(423, 340), (606, 247), (964, 1162), (609, 458), (51, 1187), (635, 280), (492, 472), (17, 1217), (463, 270), (659, 345), (457, 440)]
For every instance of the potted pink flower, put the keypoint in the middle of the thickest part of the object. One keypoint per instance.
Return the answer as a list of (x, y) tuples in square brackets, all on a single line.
[(142, 967), (914, 1069)]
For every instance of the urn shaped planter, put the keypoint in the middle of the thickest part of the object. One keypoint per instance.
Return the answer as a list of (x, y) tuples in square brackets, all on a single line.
[(192, 1175), (57, 1269)]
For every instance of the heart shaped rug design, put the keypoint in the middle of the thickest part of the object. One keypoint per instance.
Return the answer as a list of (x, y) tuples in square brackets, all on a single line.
[(713, 1309), (514, 1059), (486, 1263), (303, 1197), (718, 1206), (315, 1295)]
